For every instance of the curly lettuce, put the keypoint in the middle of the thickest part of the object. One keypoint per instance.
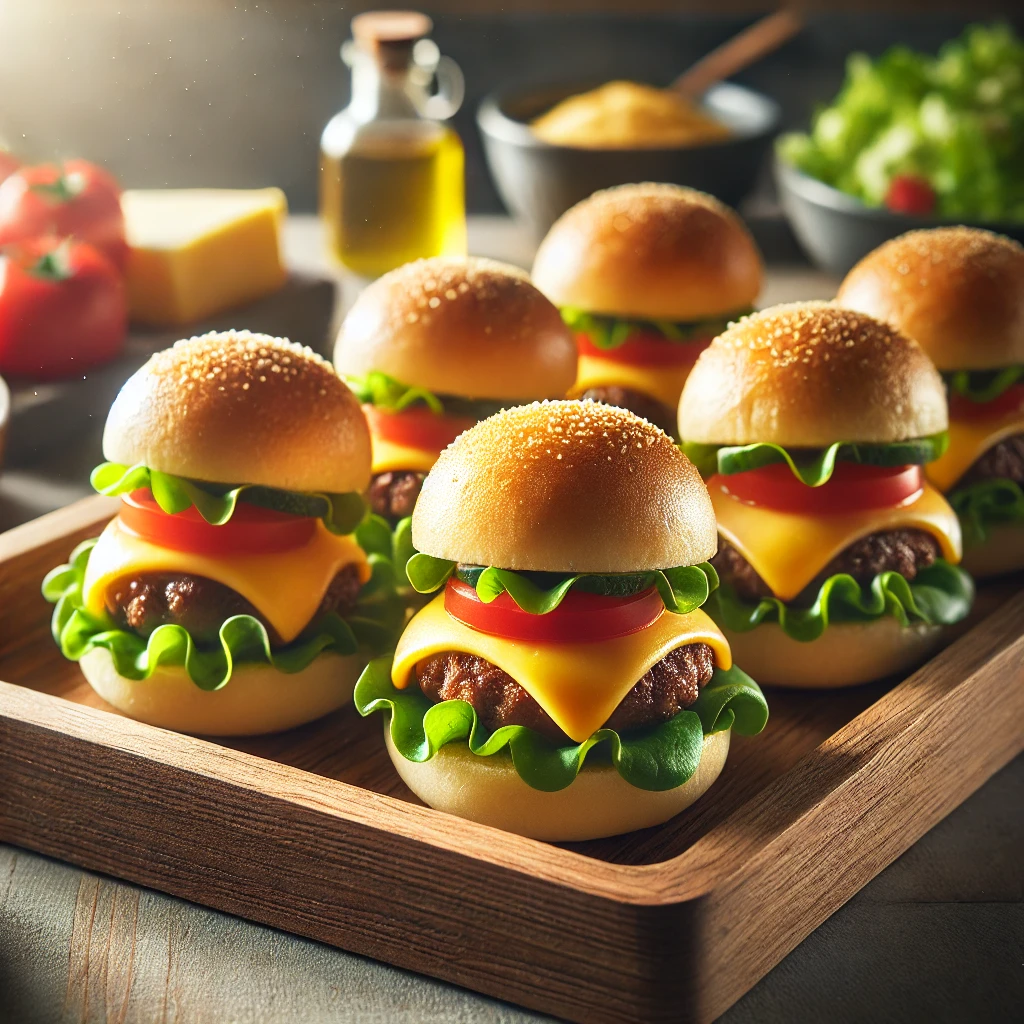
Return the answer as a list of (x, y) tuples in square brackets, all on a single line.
[(608, 332), (986, 504), (941, 594), (372, 627), (341, 513), (382, 390), (983, 386), (657, 758), (376, 537)]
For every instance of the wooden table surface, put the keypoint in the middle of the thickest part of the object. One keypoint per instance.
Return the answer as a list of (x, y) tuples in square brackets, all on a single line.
[(939, 935)]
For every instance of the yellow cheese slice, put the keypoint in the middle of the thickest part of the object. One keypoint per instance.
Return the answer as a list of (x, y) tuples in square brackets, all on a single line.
[(389, 455), (968, 440), (286, 587), (195, 252), (578, 684), (788, 549), (665, 383)]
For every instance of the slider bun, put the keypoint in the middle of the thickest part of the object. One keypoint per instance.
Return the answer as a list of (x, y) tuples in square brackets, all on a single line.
[(808, 374), (565, 487), (958, 291), (237, 408), (659, 252), (256, 699), (599, 802), (1000, 553), (469, 327)]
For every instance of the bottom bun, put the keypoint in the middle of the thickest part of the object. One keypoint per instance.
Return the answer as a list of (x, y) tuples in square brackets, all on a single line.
[(1001, 553), (256, 699), (846, 654), (598, 803)]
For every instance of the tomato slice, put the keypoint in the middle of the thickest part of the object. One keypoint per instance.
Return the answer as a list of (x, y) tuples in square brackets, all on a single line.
[(646, 350), (851, 487), (250, 530), (1009, 401), (416, 427), (581, 617)]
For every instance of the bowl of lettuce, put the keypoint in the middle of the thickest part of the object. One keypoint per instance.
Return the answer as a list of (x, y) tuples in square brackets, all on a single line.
[(912, 140)]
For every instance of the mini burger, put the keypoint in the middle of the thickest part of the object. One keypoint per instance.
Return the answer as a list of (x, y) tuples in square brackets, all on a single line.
[(227, 597), (564, 683), (435, 346), (837, 558), (959, 292), (646, 275)]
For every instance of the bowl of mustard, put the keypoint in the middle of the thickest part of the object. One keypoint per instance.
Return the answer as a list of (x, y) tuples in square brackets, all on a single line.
[(548, 148)]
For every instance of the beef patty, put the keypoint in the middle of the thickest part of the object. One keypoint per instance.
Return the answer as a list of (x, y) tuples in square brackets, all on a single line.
[(200, 605), (666, 689), (635, 401), (393, 495), (902, 551), (1003, 461)]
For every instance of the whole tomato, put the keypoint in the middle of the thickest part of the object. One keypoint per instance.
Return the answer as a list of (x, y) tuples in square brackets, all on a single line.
[(74, 198), (8, 164), (63, 309)]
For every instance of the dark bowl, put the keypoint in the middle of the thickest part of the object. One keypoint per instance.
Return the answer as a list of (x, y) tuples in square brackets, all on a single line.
[(538, 181), (836, 230)]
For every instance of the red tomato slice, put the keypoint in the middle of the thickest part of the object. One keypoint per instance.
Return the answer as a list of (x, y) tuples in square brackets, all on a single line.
[(1010, 400), (852, 487), (416, 427), (581, 617), (250, 530), (646, 350)]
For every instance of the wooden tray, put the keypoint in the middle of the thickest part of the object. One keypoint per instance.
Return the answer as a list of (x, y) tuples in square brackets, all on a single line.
[(312, 832)]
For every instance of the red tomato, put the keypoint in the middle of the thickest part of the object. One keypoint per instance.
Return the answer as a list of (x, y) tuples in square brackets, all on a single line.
[(75, 198), (581, 617), (250, 530), (646, 350), (62, 309), (1010, 400), (416, 427), (911, 194), (852, 487), (8, 164)]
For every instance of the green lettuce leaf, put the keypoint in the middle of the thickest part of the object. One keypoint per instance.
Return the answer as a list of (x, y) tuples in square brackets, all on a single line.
[(985, 504), (341, 513), (379, 389), (375, 536), (940, 595), (983, 385), (607, 332), (372, 627), (813, 468), (659, 758)]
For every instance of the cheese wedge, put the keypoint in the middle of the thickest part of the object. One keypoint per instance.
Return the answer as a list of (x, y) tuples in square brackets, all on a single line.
[(665, 383), (578, 684), (285, 587), (788, 549), (195, 252), (389, 455), (969, 439)]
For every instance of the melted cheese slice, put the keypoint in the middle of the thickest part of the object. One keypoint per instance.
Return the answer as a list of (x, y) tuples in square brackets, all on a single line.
[(788, 549), (578, 684), (286, 587), (389, 455), (665, 383), (969, 439)]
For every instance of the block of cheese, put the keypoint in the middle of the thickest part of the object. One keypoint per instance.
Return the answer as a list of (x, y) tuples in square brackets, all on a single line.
[(196, 252)]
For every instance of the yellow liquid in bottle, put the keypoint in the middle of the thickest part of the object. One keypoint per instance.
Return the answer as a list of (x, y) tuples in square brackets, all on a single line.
[(395, 195)]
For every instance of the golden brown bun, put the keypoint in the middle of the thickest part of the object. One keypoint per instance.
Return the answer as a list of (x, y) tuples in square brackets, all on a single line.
[(1000, 553), (241, 408), (808, 374), (598, 803), (958, 291), (256, 699), (469, 327), (565, 487), (658, 252), (846, 654)]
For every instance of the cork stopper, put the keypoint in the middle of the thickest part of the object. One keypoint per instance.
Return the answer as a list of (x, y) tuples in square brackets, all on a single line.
[(390, 35)]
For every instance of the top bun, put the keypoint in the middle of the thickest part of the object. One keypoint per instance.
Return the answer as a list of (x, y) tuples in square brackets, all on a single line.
[(958, 291), (241, 408), (565, 487), (656, 252), (808, 374), (469, 327)]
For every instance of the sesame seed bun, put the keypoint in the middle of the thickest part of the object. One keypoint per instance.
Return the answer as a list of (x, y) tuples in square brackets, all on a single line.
[(469, 327), (236, 408), (658, 252), (958, 291), (565, 487), (807, 375)]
